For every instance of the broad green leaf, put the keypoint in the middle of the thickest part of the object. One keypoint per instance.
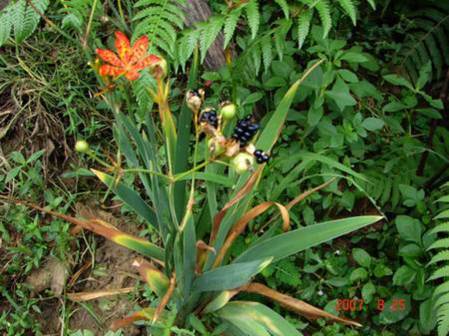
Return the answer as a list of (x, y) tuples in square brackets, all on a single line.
[(361, 257), (295, 241), (340, 95), (229, 276), (409, 228), (257, 314), (373, 124), (395, 309), (397, 80), (129, 196)]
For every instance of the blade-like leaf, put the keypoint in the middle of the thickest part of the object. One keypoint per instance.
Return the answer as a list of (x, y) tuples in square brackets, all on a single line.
[(129, 196), (255, 313), (274, 126), (229, 276), (156, 280), (298, 306), (292, 242)]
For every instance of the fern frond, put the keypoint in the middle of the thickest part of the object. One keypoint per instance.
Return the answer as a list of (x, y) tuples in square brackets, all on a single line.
[(267, 52), (230, 24), (440, 256), (209, 33), (441, 243), (5, 25), (372, 3), (427, 40), (253, 16), (284, 6), (440, 297), (304, 20), (324, 12), (186, 46), (159, 20), (441, 228), (349, 8)]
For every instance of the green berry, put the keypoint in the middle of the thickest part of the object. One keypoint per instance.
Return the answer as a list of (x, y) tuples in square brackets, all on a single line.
[(228, 111), (82, 146), (242, 162)]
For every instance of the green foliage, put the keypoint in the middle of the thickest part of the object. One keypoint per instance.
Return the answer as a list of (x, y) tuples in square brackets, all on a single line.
[(159, 20), (77, 12), (426, 37), (20, 19), (440, 295)]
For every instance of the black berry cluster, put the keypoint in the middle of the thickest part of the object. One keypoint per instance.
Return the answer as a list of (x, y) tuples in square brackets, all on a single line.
[(210, 117), (261, 157), (245, 130)]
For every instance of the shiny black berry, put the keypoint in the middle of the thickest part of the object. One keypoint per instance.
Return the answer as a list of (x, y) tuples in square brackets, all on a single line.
[(245, 130), (261, 157), (209, 117)]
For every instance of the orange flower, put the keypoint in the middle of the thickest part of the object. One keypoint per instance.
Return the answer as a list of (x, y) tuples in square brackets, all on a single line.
[(129, 60)]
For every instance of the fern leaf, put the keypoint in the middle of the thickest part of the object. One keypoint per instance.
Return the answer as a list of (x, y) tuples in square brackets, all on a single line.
[(280, 34), (304, 20), (230, 24), (284, 6), (442, 300), (253, 16), (5, 26), (440, 256), (18, 19), (187, 45), (267, 52), (349, 8), (209, 33), (324, 12), (256, 56), (443, 324), (441, 228), (372, 3), (441, 243), (440, 273), (441, 289)]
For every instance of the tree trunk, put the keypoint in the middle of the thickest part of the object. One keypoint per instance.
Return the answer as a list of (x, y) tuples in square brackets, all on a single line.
[(199, 11)]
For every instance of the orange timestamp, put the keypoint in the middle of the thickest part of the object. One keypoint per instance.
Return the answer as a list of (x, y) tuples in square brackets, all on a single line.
[(357, 305)]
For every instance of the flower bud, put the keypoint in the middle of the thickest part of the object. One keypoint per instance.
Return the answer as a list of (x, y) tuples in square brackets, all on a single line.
[(160, 68), (227, 111), (242, 162), (194, 99), (82, 146)]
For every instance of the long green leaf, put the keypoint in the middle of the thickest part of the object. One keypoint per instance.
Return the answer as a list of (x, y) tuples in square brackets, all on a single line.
[(272, 130), (182, 146), (229, 276), (129, 196), (292, 242), (255, 313)]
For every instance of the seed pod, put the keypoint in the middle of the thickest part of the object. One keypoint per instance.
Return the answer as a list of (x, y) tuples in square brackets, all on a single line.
[(242, 162), (227, 111), (82, 146), (216, 145), (194, 99)]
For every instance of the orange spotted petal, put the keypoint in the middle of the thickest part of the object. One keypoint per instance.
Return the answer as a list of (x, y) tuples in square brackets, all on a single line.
[(109, 70), (132, 75), (139, 49), (147, 61), (122, 45), (109, 57)]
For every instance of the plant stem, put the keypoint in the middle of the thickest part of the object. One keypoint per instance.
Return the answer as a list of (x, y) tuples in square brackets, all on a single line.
[(89, 23)]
